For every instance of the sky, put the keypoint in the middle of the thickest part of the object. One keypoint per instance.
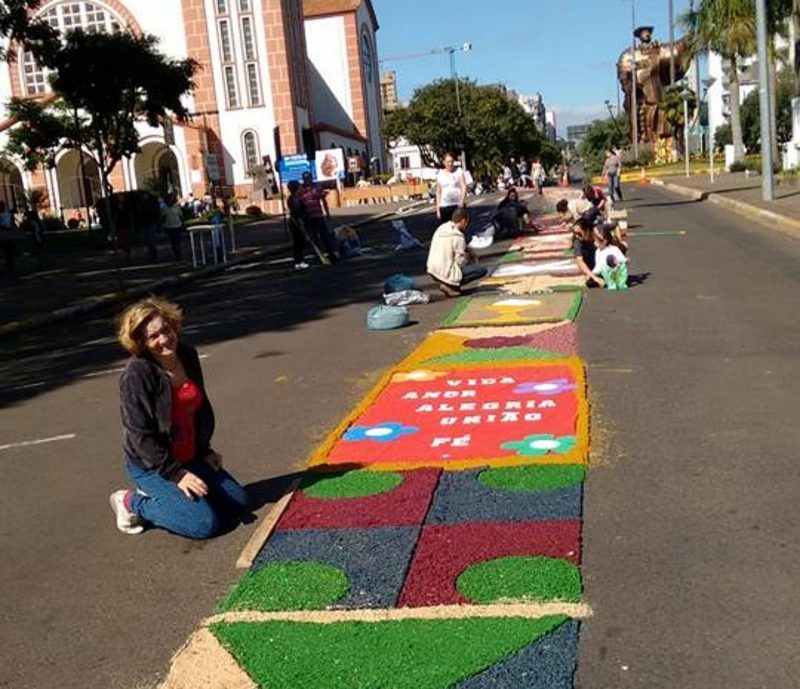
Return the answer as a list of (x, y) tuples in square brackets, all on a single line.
[(566, 50)]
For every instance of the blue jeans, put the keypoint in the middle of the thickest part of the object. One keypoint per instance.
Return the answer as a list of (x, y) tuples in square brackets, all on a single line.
[(471, 273), (614, 189), (166, 506)]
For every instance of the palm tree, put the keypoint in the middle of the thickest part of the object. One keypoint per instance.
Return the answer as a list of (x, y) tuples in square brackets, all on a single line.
[(672, 104), (727, 27)]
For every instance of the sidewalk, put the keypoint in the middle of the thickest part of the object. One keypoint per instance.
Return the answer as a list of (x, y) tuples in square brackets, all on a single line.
[(77, 282), (741, 194)]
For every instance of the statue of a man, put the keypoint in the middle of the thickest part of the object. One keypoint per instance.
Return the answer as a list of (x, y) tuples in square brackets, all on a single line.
[(652, 75)]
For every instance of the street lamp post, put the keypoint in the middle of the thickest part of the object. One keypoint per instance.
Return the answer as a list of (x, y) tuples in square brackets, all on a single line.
[(634, 104), (685, 94), (767, 182), (672, 43), (708, 82), (451, 51)]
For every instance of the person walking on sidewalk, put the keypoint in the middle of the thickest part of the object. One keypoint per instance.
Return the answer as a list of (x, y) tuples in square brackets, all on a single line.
[(168, 422), (449, 255), (7, 225), (612, 168), (150, 215), (539, 176), (172, 222), (317, 214), (297, 215), (451, 189)]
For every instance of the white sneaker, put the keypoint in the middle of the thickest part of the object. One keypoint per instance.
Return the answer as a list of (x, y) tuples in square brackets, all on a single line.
[(301, 266), (127, 521)]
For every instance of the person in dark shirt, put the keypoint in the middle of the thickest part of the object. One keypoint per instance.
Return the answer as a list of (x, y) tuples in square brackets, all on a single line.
[(316, 215), (297, 216), (168, 422), (583, 250), (510, 211)]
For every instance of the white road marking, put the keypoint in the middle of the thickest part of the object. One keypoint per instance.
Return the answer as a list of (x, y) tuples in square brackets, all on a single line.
[(38, 441), (91, 374), (104, 372), (27, 386)]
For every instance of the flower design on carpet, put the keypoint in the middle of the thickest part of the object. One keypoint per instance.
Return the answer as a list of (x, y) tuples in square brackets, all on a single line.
[(418, 376), (542, 444), (380, 432), (546, 387)]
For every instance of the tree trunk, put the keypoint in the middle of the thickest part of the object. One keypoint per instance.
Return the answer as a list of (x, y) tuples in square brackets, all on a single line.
[(796, 66), (112, 226), (736, 117)]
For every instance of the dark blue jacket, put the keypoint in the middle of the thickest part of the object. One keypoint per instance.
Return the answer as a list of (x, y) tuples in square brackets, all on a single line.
[(146, 410)]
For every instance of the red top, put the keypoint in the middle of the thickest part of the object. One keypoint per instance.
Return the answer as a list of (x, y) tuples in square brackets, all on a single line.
[(186, 400)]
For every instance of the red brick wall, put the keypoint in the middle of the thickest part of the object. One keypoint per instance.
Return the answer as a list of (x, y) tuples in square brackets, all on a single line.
[(352, 37), (205, 95), (283, 27)]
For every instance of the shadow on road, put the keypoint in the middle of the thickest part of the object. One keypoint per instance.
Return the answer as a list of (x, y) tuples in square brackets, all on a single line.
[(247, 299)]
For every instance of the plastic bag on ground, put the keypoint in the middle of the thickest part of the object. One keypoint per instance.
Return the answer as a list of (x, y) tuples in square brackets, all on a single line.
[(406, 297), (398, 282)]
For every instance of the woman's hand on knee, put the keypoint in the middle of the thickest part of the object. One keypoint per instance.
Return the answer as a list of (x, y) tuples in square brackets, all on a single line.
[(192, 486)]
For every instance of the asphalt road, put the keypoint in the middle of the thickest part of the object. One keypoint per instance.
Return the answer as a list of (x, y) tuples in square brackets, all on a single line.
[(691, 543), (286, 356)]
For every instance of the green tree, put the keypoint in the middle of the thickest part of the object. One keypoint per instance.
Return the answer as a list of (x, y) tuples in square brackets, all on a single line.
[(672, 104), (723, 136), (19, 25), (727, 27), (604, 134), (492, 129), (751, 113), (103, 86)]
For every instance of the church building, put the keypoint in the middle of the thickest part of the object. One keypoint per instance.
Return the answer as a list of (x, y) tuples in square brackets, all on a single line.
[(276, 78)]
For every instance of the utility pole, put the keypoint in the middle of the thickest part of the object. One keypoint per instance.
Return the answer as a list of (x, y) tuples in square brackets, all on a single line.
[(634, 104), (451, 50), (767, 182), (672, 43)]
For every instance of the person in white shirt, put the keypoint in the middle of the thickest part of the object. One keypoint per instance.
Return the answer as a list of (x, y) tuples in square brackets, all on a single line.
[(609, 260), (449, 255), (451, 189)]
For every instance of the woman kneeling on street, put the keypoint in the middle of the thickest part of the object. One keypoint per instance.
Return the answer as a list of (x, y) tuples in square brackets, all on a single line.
[(168, 422)]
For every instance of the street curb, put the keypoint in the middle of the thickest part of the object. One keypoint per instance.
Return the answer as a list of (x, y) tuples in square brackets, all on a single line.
[(264, 530), (95, 303), (769, 219)]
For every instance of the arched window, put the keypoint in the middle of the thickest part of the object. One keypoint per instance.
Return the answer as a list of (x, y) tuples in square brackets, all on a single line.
[(252, 156), (366, 56), (91, 17)]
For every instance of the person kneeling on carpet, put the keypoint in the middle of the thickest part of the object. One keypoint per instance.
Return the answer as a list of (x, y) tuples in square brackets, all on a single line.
[(584, 251), (609, 259), (572, 210), (167, 422), (511, 213), (449, 255)]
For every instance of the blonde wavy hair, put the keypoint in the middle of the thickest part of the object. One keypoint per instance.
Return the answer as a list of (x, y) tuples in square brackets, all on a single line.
[(130, 331)]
